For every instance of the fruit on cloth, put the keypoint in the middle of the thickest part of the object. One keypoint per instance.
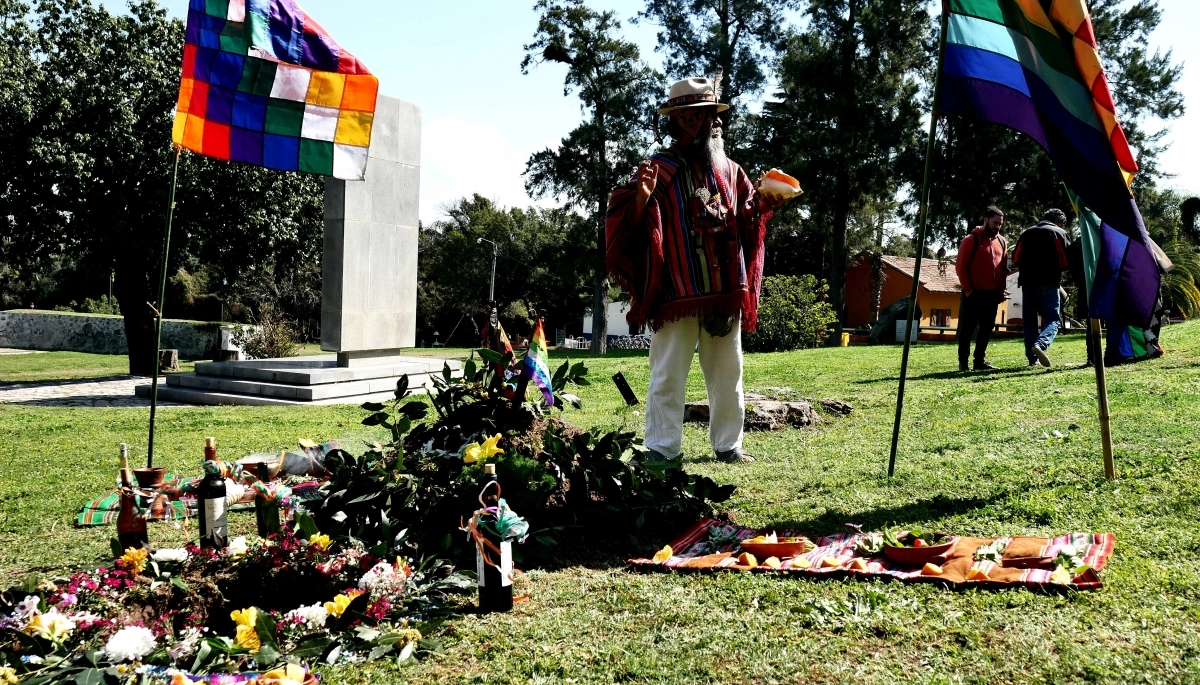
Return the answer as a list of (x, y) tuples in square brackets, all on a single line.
[(977, 573), (747, 559), (773, 562), (779, 184), (931, 570), (662, 555), (801, 562), (1060, 575), (857, 564), (830, 562)]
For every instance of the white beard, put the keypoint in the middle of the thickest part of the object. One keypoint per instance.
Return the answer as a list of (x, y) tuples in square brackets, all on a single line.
[(714, 151)]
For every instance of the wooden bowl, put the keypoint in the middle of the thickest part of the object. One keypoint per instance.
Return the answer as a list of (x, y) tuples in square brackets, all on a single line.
[(149, 479), (919, 556), (762, 550)]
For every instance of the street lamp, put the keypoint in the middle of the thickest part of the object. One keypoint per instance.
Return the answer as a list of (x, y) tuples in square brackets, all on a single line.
[(495, 251)]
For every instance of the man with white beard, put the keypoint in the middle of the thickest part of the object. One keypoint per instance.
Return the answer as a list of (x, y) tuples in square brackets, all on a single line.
[(685, 240)]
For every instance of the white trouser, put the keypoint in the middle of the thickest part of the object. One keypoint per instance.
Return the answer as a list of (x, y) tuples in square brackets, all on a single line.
[(670, 360)]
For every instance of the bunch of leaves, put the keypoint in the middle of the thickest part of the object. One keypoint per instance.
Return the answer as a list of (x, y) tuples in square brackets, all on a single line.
[(1068, 557), (993, 551), (870, 544), (719, 537), (908, 538)]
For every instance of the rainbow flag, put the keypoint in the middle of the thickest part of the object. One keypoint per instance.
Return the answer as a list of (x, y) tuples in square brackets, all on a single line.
[(264, 84), (537, 364), (1037, 70)]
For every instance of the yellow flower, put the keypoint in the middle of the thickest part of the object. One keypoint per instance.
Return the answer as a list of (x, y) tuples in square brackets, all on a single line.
[(246, 635), (134, 560), (320, 540), (410, 635), (51, 625), (338, 606), (8, 675), (476, 452)]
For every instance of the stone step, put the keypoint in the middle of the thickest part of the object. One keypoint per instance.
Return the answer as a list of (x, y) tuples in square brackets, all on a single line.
[(185, 395), (287, 391), (322, 369)]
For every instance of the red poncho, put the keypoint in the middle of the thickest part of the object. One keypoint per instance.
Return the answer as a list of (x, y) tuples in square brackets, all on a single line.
[(698, 249)]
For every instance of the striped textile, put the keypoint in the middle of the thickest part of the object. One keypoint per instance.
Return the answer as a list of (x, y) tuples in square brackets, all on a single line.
[(1037, 71), (1095, 548), (103, 511), (699, 248)]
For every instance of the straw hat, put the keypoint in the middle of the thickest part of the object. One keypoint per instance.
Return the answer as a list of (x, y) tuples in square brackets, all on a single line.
[(691, 92)]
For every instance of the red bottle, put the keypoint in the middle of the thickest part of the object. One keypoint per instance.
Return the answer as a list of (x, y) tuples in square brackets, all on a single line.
[(131, 523)]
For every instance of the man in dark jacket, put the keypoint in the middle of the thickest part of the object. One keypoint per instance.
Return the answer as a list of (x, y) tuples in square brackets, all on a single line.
[(981, 272), (1041, 257)]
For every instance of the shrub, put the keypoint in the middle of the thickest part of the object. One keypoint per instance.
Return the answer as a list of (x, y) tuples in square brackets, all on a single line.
[(792, 313), (272, 337)]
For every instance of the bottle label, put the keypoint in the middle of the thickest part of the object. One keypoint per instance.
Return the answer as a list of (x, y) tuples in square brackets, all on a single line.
[(215, 520), (505, 566)]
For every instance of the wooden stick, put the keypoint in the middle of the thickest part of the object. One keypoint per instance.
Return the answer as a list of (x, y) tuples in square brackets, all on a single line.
[(1110, 469)]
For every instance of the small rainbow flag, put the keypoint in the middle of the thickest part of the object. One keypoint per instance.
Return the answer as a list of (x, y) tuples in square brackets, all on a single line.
[(264, 84), (537, 365)]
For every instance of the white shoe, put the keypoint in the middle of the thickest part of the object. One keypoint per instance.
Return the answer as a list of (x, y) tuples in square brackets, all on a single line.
[(1041, 356)]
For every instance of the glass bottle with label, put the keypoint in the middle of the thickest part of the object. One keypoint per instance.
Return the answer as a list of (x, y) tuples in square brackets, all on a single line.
[(210, 501), (495, 570), (131, 523)]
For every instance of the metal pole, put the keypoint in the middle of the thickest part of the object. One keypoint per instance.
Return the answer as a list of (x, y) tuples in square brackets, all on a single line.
[(921, 221), (162, 295), (1110, 469), (492, 287)]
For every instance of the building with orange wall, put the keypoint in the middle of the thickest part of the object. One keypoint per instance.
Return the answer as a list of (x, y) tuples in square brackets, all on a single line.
[(939, 296)]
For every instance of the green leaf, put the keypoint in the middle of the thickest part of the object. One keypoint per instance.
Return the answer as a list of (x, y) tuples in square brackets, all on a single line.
[(29, 585), (446, 373), (402, 387), (90, 676), (373, 406), (491, 356), (406, 652), (379, 651), (113, 544), (264, 625), (178, 582), (469, 370), (306, 525), (267, 655), (312, 647), (375, 419), (203, 654), (415, 410)]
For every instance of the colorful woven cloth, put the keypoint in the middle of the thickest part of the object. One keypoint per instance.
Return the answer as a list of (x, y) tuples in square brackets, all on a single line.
[(690, 554), (264, 84), (103, 511), (698, 249)]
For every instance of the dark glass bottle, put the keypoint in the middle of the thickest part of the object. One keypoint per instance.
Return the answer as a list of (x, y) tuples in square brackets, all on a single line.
[(131, 523), (495, 578), (266, 513), (210, 501)]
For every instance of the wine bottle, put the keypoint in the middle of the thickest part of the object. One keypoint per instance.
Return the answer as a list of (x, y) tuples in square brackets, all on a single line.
[(210, 501), (495, 578), (131, 523), (265, 512)]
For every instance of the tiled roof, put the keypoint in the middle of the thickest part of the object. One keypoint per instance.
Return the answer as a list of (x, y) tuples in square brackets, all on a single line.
[(934, 277)]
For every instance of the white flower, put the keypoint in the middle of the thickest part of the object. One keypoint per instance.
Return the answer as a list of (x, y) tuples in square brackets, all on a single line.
[(176, 555), (131, 643), (382, 579), (237, 547), (314, 616), (186, 645), (28, 607)]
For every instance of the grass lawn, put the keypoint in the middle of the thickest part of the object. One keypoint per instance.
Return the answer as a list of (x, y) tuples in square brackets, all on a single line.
[(977, 456)]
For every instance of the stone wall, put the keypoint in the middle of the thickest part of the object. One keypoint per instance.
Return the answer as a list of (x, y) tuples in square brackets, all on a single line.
[(100, 334)]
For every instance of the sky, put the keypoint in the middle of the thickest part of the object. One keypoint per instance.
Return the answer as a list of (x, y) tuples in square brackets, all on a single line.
[(482, 119)]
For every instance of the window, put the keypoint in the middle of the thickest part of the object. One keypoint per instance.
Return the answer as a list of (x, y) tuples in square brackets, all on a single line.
[(940, 317)]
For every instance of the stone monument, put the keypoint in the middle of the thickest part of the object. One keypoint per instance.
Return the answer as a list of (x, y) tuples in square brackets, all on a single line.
[(368, 290)]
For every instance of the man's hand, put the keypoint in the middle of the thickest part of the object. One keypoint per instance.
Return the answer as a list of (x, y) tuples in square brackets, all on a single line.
[(769, 203), (647, 180)]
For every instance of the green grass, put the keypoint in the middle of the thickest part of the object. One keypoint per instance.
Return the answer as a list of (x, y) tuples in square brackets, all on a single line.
[(976, 456)]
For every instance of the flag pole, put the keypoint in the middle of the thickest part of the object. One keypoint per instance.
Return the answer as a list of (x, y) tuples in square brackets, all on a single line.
[(921, 221), (162, 294), (1110, 469)]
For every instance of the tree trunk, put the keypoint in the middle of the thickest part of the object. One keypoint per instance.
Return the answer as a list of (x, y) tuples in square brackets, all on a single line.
[(133, 291), (600, 300), (841, 216)]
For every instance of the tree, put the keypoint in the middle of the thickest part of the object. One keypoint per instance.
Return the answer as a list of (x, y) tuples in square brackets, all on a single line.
[(742, 37), (538, 268), (978, 163), (616, 92), (89, 172), (848, 112)]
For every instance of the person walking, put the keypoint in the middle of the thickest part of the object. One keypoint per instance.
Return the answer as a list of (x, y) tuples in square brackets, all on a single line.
[(1041, 257), (981, 267)]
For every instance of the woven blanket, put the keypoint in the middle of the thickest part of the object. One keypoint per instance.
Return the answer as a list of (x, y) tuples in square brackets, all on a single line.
[(103, 511), (1026, 561)]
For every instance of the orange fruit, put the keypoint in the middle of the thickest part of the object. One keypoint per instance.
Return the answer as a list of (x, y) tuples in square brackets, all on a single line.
[(662, 555), (931, 570), (747, 559), (977, 574), (830, 562), (801, 562), (857, 564), (773, 562)]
